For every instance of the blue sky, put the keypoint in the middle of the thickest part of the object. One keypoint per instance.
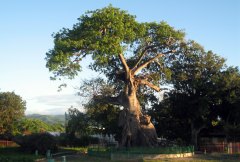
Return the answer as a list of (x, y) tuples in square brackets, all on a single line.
[(27, 25)]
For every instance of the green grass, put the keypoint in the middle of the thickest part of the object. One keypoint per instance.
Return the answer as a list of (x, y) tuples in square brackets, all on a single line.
[(77, 149), (14, 154), (203, 158), (195, 158), (144, 150), (85, 158)]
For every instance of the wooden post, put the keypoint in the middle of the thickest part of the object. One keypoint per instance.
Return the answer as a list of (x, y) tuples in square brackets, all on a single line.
[(230, 148)]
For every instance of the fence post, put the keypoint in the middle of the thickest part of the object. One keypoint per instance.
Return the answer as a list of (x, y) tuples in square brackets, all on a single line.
[(48, 154), (238, 147), (64, 159), (36, 152), (230, 148)]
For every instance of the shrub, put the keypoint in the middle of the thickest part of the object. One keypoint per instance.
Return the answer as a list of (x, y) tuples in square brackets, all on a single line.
[(41, 142), (74, 142), (86, 140)]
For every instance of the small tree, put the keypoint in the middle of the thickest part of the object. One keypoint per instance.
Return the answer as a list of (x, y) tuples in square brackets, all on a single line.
[(77, 123), (103, 116), (12, 108)]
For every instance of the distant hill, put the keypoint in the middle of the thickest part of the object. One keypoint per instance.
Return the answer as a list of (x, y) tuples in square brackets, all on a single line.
[(49, 119)]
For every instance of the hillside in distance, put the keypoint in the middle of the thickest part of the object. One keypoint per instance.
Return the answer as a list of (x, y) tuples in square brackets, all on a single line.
[(49, 119)]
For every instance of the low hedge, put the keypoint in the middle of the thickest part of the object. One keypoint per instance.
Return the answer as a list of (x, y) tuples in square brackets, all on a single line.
[(41, 142), (83, 141)]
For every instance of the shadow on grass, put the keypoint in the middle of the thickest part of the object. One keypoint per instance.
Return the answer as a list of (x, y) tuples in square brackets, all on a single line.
[(14, 154)]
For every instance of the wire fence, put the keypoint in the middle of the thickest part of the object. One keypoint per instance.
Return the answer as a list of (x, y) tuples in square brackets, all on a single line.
[(223, 147)]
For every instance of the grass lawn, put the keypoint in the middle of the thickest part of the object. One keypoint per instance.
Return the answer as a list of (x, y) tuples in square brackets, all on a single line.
[(203, 158), (14, 154), (195, 158), (83, 157)]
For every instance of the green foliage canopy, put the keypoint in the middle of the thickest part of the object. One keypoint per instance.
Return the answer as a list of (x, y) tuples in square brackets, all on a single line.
[(77, 123), (28, 126), (194, 79), (189, 106), (228, 107), (12, 108), (105, 34)]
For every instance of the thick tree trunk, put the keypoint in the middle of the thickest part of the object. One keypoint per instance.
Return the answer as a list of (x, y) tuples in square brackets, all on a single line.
[(137, 128)]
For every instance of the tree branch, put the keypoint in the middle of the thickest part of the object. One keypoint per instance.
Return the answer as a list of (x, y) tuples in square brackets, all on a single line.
[(124, 63), (150, 60), (140, 58), (143, 54), (145, 82)]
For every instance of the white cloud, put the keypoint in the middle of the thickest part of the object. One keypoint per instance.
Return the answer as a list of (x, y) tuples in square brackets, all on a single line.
[(52, 104)]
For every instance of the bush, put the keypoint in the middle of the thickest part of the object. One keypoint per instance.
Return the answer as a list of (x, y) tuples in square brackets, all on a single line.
[(41, 142), (74, 142), (86, 140)]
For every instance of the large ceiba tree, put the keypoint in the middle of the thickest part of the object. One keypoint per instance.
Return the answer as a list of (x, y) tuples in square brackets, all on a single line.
[(132, 55)]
